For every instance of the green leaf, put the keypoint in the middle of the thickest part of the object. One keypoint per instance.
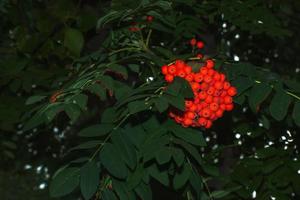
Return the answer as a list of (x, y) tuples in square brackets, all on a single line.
[(109, 115), (34, 99), (144, 191), (163, 155), (258, 94), (108, 195), (161, 176), (135, 68), (296, 113), (73, 41), (96, 130), (177, 102), (190, 149), (87, 145), (137, 106), (188, 134), (161, 104), (89, 179), (80, 100), (125, 148), (98, 90), (73, 111), (242, 84), (180, 86), (113, 162), (178, 156), (119, 69), (182, 177), (223, 193), (279, 105), (121, 189), (136, 177), (64, 182)]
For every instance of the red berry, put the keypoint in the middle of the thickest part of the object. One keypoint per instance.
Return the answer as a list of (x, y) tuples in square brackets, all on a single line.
[(189, 77), (210, 64), (210, 91), (211, 72), (202, 121), (226, 85), (202, 95), (198, 77), (200, 45), (150, 18), (187, 121), (188, 103), (172, 69), (218, 85), (190, 115), (207, 79), (219, 113), (195, 86), (208, 99), (203, 70), (216, 76), (208, 124), (222, 77), (169, 78), (206, 113), (179, 64), (181, 73), (193, 42), (204, 86), (188, 69), (164, 69), (232, 91), (199, 55), (229, 107), (214, 106), (227, 99)]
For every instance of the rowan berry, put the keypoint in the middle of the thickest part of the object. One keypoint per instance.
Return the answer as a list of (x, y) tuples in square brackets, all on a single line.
[(188, 69), (232, 91), (211, 72), (187, 121), (210, 64), (189, 77), (226, 85), (205, 113), (202, 95), (229, 107), (188, 103), (216, 76), (195, 86), (164, 69), (219, 113), (208, 99), (172, 69), (193, 108), (227, 99), (203, 70), (150, 18), (207, 79), (218, 85), (210, 91), (214, 106), (202, 121), (200, 45), (222, 77), (208, 124), (204, 86), (169, 78), (198, 77), (181, 73), (179, 64), (190, 115), (193, 42), (199, 55)]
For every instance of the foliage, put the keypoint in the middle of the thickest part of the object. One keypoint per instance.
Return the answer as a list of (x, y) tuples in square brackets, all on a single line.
[(68, 63)]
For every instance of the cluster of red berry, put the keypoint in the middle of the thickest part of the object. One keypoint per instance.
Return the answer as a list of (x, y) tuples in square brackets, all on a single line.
[(212, 94), (135, 28)]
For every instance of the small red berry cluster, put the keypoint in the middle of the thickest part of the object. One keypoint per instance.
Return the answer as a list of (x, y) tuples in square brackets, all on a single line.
[(199, 44), (135, 28), (212, 94)]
